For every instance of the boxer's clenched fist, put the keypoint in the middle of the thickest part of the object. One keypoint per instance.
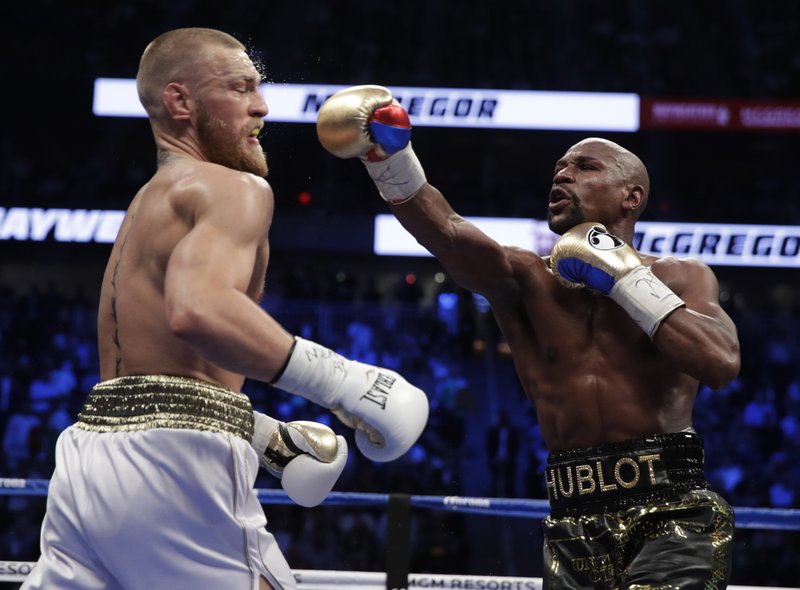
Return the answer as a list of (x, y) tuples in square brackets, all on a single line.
[(588, 256), (386, 411), (366, 122), (306, 456)]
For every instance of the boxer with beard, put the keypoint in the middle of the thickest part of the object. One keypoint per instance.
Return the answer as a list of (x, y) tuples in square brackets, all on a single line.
[(153, 486)]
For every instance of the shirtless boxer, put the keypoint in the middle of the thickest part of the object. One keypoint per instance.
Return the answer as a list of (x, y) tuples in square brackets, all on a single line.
[(610, 347), (153, 486)]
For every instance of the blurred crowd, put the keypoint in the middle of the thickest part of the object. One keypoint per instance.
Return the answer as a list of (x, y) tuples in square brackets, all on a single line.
[(482, 439)]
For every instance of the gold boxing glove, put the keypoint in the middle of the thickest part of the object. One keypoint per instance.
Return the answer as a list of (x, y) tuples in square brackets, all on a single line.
[(306, 456), (366, 122), (588, 256), (343, 120), (291, 439)]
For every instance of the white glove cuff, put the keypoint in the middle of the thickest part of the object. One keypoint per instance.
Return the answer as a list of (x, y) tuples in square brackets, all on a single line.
[(645, 298), (314, 372), (399, 177)]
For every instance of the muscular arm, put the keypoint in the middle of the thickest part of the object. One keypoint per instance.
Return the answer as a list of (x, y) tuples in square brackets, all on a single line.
[(473, 259), (700, 339), (208, 275), (365, 121)]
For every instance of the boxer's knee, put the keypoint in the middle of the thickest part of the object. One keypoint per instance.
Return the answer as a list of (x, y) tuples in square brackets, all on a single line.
[(264, 585)]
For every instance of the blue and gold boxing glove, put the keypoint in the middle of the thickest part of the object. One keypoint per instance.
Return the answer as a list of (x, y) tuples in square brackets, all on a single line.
[(588, 256), (366, 122)]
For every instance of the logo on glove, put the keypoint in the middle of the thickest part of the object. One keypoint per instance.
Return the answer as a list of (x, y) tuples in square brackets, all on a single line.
[(600, 239)]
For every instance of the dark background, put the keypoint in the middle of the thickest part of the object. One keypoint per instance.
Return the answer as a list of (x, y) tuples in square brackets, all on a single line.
[(325, 282)]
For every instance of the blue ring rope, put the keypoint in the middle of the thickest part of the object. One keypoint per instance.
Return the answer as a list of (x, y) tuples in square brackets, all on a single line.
[(784, 519)]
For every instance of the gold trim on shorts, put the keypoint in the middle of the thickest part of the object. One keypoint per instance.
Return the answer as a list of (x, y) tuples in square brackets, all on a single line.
[(142, 402)]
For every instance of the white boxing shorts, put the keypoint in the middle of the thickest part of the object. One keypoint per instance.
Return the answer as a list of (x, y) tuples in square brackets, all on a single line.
[(153, 488)]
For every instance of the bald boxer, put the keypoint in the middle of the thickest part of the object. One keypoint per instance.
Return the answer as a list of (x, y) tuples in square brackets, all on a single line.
[(610, 346), (153, 486)]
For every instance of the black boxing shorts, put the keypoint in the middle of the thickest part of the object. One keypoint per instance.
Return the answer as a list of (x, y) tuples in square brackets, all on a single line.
[(637, 515)]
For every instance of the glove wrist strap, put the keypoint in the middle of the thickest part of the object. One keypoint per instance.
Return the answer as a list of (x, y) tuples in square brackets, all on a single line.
[(265, 429), (645, 298), (280, 450), (399, 177)]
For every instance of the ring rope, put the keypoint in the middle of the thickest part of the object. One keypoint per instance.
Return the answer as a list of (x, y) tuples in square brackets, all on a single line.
[(17, 571), (756, 518), (785, 519)]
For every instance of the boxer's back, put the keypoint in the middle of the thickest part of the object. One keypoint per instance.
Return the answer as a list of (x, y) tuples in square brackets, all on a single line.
[(134, 336)]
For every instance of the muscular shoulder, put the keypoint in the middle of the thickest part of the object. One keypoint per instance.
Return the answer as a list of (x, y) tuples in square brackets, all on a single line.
[(209, 189), (529, 272), (205, 180), (522, 260), (682, 274), (670, 264)]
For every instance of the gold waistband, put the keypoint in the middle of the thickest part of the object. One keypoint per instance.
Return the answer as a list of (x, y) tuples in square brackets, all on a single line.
[(142, 402)]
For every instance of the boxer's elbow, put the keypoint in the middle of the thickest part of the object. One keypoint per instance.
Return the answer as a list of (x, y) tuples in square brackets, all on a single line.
[(187, 318), (723, 367)]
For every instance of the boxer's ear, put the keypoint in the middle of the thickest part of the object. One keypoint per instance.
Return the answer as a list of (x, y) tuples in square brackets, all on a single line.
[(177, 101), (634, 199)]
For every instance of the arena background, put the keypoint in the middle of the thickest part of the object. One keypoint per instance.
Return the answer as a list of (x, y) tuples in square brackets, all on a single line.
[(325, 281)]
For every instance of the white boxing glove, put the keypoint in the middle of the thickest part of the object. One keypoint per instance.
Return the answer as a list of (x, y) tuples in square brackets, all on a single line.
[(587, 255), (366, 122), (307, 457), (387, 412)]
